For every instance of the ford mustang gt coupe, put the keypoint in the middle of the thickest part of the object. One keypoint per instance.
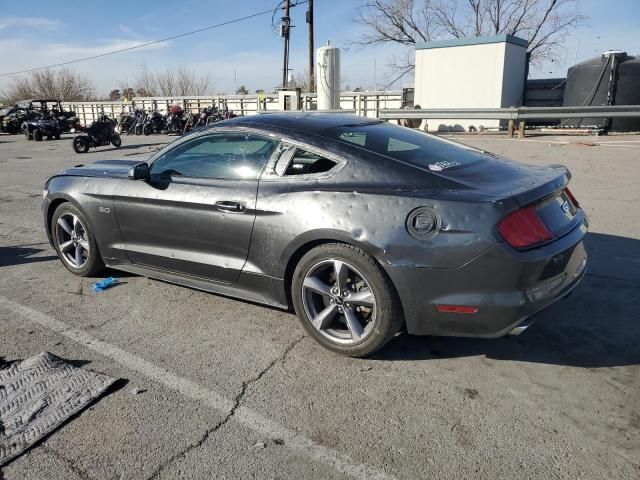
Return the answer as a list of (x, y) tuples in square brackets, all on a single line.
[(364, 228)]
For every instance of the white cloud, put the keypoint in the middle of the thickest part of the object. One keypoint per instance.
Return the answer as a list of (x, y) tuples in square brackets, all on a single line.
[(29, 22), (77, 51)]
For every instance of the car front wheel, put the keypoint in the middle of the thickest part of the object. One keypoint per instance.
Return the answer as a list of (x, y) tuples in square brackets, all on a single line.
[(345, 300), (74, 241)]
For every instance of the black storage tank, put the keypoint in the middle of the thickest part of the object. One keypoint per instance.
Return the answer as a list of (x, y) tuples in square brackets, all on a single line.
[(612, 79)]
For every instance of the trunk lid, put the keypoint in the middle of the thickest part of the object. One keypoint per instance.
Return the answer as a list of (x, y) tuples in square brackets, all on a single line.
[(539, 187)]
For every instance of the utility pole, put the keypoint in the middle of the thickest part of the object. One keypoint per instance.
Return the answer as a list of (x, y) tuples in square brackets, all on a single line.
[(284, 32), (312, 83)]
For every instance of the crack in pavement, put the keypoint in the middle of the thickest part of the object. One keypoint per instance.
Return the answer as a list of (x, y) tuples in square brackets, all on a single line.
[(236, 404), (246, 417), (84, 475)]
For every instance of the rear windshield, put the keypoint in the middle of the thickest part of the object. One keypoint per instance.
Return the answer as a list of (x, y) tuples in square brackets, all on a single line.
[(408, 145)]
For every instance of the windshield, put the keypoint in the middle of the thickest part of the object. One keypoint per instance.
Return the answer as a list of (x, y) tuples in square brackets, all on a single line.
[(408, 145)]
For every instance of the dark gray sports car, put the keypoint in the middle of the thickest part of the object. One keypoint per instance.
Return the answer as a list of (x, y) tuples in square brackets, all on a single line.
[(361, 226)]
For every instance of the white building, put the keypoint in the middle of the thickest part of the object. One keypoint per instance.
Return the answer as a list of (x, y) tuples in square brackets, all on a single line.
[(477, 72)]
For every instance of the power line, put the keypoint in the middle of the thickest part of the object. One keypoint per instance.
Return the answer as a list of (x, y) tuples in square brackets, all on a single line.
[(228, 22)]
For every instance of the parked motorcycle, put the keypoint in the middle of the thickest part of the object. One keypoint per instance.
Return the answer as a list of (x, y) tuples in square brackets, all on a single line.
[(176, 120), (102, 132), (154, 123), (127, 120)]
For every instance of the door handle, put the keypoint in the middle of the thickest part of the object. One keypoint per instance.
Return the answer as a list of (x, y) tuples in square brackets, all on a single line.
[(231, 206)]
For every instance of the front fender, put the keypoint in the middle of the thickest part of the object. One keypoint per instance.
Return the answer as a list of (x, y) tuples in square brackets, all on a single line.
[(94, 197)]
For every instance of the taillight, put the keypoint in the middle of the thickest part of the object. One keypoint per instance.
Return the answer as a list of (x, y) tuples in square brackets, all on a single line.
[(523, 228), (571, 197)]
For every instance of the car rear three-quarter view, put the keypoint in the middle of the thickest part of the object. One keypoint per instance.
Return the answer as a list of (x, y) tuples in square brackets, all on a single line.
[(363, 227)]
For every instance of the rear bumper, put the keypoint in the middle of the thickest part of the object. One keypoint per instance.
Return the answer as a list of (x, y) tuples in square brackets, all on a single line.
[(506, 286)]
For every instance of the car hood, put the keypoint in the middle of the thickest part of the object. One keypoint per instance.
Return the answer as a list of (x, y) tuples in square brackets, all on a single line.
[(103, 168)]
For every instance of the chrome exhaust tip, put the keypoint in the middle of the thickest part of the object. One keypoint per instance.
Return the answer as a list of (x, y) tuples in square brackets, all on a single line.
[(522, 327)]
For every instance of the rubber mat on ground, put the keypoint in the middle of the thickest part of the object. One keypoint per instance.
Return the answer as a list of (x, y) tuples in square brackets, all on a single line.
[(38, 395)]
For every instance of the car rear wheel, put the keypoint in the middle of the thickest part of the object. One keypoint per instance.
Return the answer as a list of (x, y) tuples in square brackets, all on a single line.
[(345, 300), (74, 242), (37, 135)]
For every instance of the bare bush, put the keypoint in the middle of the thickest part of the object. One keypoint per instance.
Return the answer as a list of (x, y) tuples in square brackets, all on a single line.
[(63, 84), (299, 79), (173, 82)]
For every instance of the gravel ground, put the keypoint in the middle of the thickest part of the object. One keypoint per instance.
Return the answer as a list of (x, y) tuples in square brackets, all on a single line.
[(217, 388)]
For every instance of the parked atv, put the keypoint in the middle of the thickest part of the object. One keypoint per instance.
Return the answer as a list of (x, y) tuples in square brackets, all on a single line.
[(102, 132), (6, 120), (12, 122), (38, 125)]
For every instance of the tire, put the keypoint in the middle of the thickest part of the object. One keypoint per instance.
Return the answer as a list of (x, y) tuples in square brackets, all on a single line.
[(49, 137), (116, 141), (376, 310), (57, 136), (37, 135), (147, 129), (91, 261), (81, 144)]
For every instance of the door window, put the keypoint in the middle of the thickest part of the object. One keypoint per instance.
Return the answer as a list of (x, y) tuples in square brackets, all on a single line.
[(230, 156)]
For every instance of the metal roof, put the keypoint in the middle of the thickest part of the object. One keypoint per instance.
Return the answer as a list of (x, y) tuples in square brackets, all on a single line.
[(462, 42)]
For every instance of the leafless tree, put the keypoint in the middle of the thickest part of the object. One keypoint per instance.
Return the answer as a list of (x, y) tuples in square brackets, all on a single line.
[(544, 23), (299, 79), (63, 84), (172, 82)]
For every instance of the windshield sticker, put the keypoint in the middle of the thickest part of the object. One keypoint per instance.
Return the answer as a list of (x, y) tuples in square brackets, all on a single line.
[(440, 166)]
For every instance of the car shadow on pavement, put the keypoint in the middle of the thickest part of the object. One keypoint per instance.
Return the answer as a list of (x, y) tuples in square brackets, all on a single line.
[(21, 254), (596, 326)]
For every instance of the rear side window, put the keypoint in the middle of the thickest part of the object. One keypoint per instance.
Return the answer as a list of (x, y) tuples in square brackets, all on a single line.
[(307, 163), (407, 145)]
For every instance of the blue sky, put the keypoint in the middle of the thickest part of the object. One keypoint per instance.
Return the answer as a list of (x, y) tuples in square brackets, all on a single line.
[(73, 29)]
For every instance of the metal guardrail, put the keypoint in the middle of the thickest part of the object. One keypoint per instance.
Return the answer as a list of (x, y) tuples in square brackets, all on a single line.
[(513, 113)]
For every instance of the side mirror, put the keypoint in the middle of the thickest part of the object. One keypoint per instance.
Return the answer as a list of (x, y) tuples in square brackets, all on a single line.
[(139, 172)]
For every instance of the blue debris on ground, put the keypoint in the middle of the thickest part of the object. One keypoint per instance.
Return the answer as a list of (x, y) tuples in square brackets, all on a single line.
[(102, 285)]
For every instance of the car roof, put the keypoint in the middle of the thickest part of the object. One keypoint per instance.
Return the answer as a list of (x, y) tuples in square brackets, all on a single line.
[(307, 122)]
